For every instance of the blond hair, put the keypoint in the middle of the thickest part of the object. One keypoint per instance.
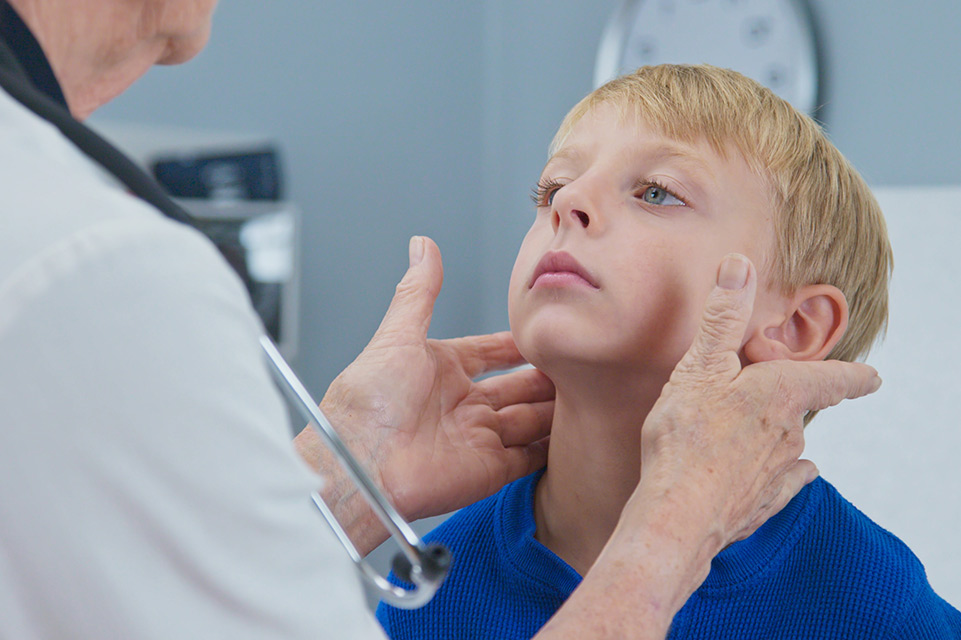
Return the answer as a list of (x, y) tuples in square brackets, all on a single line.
[(828, 227)]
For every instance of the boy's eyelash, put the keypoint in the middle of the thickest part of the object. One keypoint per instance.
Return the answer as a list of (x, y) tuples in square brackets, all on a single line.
[(543, 189)]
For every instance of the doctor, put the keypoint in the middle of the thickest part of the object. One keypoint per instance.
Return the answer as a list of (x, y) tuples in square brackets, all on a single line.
[(147, 485)]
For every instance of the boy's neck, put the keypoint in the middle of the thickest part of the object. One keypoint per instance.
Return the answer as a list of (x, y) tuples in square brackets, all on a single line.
[(594, 465)]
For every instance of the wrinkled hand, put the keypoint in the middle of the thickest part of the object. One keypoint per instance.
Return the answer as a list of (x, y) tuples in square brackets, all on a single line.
[(410, 410), (725, 441)]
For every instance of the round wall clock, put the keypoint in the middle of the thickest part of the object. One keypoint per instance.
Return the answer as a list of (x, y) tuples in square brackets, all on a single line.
[(771, 41)]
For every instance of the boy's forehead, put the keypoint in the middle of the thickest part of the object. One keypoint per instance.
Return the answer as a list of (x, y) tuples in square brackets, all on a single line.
[(656, 143), (672, 142)]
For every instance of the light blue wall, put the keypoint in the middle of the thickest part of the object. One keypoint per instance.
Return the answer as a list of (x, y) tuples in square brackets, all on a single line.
[(434, 117), (376, 106)]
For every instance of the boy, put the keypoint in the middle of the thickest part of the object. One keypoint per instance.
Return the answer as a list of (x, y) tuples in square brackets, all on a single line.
[(652, 180)]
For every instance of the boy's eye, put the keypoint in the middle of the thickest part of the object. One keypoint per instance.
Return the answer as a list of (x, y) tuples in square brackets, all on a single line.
[(655, 194), (544, 191)]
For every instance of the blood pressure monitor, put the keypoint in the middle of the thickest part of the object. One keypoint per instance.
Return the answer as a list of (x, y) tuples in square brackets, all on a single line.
[(771, 41)]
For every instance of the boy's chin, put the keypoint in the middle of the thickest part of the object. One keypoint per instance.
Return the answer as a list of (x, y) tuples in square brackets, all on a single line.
[(544, 349), (575, 358), (571, 356)]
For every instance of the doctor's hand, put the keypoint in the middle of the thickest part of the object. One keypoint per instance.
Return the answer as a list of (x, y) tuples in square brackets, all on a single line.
[(410, 411), (740, 431)]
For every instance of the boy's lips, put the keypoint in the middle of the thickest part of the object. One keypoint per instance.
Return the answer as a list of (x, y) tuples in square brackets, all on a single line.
[(560, 267)]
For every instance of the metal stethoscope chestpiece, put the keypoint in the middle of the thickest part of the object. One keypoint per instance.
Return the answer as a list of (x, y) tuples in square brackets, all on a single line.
[(424, 566)]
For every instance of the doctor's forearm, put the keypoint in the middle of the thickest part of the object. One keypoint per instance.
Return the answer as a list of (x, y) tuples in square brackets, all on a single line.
[(649, 568), (341, 494)]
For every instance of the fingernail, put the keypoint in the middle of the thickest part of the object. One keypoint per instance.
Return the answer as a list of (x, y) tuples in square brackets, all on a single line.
[(416, 250), (733, 272), (876, 384)]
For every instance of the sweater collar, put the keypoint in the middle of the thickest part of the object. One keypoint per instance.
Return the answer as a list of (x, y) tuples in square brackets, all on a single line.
[(27, 56), (515, 520), (731, 567)]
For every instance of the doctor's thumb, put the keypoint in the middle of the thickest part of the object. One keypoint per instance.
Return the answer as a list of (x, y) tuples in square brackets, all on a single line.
[(727, 311), (413, 303)]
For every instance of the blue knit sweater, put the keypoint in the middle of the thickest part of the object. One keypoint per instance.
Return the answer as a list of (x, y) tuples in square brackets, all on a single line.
[(818, 569)]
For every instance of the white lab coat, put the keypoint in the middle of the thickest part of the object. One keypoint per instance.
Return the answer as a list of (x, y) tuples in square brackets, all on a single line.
[(148, 487)]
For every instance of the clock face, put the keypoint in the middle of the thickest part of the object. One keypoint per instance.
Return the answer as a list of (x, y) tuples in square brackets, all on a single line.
[(771, 41)]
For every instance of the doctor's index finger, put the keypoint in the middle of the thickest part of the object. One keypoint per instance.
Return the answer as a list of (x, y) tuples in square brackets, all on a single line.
[(521, 386), (483, 354), (812, 386)]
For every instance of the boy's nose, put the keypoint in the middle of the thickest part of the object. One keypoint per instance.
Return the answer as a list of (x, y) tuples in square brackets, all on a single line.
[(577, 205), (575, 216)]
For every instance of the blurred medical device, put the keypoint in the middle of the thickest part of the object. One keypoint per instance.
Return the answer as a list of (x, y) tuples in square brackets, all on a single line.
[(232, 183)]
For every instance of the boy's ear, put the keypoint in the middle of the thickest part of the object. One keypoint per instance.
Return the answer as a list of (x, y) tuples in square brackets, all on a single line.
[(813, 321)]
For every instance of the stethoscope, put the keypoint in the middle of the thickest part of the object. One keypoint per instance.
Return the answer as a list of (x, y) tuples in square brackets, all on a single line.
[(424, 566)]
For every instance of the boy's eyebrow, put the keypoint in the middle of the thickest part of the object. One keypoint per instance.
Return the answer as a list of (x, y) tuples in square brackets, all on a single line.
[(662, 151), (687, 157), (564, 153)]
